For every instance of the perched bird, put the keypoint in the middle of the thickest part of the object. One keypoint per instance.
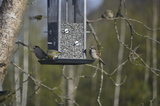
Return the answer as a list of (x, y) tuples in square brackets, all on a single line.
[(107, 14), (40, 54), (53, 54), (38, 17), (95, 54)]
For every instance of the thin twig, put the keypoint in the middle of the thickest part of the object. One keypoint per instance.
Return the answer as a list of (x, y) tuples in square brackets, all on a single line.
[(19, 42), (124, 18), (35, 91), (115, 70), (37, 82), (116, 84), (95, 36), (145, 65), (130, 48), (109, 75), (70, 78), (101, 85)]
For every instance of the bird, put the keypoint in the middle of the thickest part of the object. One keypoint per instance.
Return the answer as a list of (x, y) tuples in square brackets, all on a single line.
[(39, 53), (53, 54), (107, 14), (95, 54), (38, 17)]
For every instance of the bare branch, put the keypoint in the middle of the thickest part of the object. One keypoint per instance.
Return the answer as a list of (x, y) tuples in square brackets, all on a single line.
[(131, 27), (9, 95), (122, 3), (35, 91), (109, 75), (130, 48), (117, 83), (95, 36), (101, 85), (70, 78), (19, 42), (124, 18), (145, 65), (38, 82)]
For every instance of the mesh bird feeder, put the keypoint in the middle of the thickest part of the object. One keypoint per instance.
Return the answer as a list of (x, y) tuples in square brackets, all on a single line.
[(67, 32)]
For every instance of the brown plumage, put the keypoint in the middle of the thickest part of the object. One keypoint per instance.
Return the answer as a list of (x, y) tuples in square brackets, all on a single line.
[(95, 54), (107, 14)]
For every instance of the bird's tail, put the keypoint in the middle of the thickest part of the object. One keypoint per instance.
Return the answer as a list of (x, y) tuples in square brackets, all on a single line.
[(102, 61), (47, 57)]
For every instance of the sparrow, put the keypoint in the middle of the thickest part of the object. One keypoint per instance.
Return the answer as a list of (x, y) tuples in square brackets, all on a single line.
[(107, 14), (53, 54), (39, 53), (95, 54), (38, 17)]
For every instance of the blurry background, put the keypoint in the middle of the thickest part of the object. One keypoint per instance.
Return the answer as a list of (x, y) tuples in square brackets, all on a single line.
[(141, 85)]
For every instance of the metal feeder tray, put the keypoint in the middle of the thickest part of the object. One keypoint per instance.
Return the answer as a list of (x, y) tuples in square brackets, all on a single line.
[(66, 61)]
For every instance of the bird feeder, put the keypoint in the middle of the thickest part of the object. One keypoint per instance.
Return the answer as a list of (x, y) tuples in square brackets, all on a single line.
[(67, 32)]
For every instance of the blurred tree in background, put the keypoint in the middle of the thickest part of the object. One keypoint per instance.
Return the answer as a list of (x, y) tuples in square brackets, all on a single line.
[(130, 48)]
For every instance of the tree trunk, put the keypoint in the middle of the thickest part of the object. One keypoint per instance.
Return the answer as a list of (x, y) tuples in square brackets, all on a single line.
[(11, 13), (120, 58), (17, 80), (37, 76), (154, 50), (70, 86), (148, 44), (25, 62)]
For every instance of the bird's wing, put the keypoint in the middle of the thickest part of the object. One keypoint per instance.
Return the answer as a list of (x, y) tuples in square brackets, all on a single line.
[(98, 54)]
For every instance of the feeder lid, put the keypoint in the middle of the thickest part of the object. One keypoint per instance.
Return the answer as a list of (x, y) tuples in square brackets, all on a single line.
[(66, 61)]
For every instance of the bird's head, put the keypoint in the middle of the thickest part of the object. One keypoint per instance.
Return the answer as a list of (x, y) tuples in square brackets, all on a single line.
[(109, 11), (92, 47), (36, 47)]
